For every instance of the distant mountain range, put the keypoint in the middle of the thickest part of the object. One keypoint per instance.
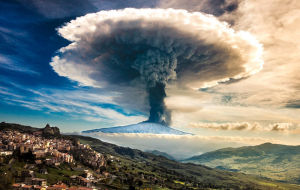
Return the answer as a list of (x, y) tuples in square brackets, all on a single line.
[(275, 161), (143, 127)]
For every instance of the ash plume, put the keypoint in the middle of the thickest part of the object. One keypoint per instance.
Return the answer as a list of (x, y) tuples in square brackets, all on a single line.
[(158, 112), (151, 49)]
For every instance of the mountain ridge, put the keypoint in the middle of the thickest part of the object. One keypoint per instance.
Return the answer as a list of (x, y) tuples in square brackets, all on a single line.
[(274, 161)]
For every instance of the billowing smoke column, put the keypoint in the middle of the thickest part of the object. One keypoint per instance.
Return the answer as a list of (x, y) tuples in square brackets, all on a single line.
[(158, 111), (152, 49)]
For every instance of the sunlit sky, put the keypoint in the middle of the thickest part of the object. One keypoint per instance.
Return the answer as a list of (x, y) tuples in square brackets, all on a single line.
[(259, 105)]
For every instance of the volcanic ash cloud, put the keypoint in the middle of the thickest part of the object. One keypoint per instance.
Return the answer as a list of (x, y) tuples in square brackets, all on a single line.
[(151, 49)]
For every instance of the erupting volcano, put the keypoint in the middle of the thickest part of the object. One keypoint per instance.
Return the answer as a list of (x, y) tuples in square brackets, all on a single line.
[(150, 50)]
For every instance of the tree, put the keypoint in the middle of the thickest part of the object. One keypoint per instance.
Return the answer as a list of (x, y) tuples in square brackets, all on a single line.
[(140, 183)]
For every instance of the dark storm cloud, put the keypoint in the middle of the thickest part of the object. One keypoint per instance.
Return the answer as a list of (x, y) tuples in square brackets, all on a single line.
[(152, 48), (120, 4), (225, 10), (214, 7), (59, 8), (71, 8), (293, 104)]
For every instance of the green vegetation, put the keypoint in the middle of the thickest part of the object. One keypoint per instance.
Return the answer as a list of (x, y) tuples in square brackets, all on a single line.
[(278, 162), (159, 153), (11, 168), (60, 173), (174, 175), (133, 169)]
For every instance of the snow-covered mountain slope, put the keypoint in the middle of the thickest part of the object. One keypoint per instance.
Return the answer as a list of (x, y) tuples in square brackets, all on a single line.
[(143, 127)]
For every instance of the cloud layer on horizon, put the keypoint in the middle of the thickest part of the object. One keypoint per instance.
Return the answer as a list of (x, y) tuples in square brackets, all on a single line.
[(186, 145), (246, 126)]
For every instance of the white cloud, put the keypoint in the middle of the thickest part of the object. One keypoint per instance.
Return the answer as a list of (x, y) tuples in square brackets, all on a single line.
[(284, 127), (228, 126), (276, 25), (246, 126), (14, 64)]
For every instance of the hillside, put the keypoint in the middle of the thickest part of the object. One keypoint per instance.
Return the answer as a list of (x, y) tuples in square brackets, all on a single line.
[(170, 170), (14, 126), (128, 168), (159, 153), (47, 131), (279, 162)]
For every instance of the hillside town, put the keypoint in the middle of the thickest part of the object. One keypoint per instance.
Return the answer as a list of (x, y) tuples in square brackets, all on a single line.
[(52, 153)]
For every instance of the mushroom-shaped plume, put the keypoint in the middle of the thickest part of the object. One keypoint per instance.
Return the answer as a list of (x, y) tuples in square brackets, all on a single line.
[(152, 48)]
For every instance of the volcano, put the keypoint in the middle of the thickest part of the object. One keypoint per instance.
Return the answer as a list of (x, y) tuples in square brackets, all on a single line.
[(143, 127)]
